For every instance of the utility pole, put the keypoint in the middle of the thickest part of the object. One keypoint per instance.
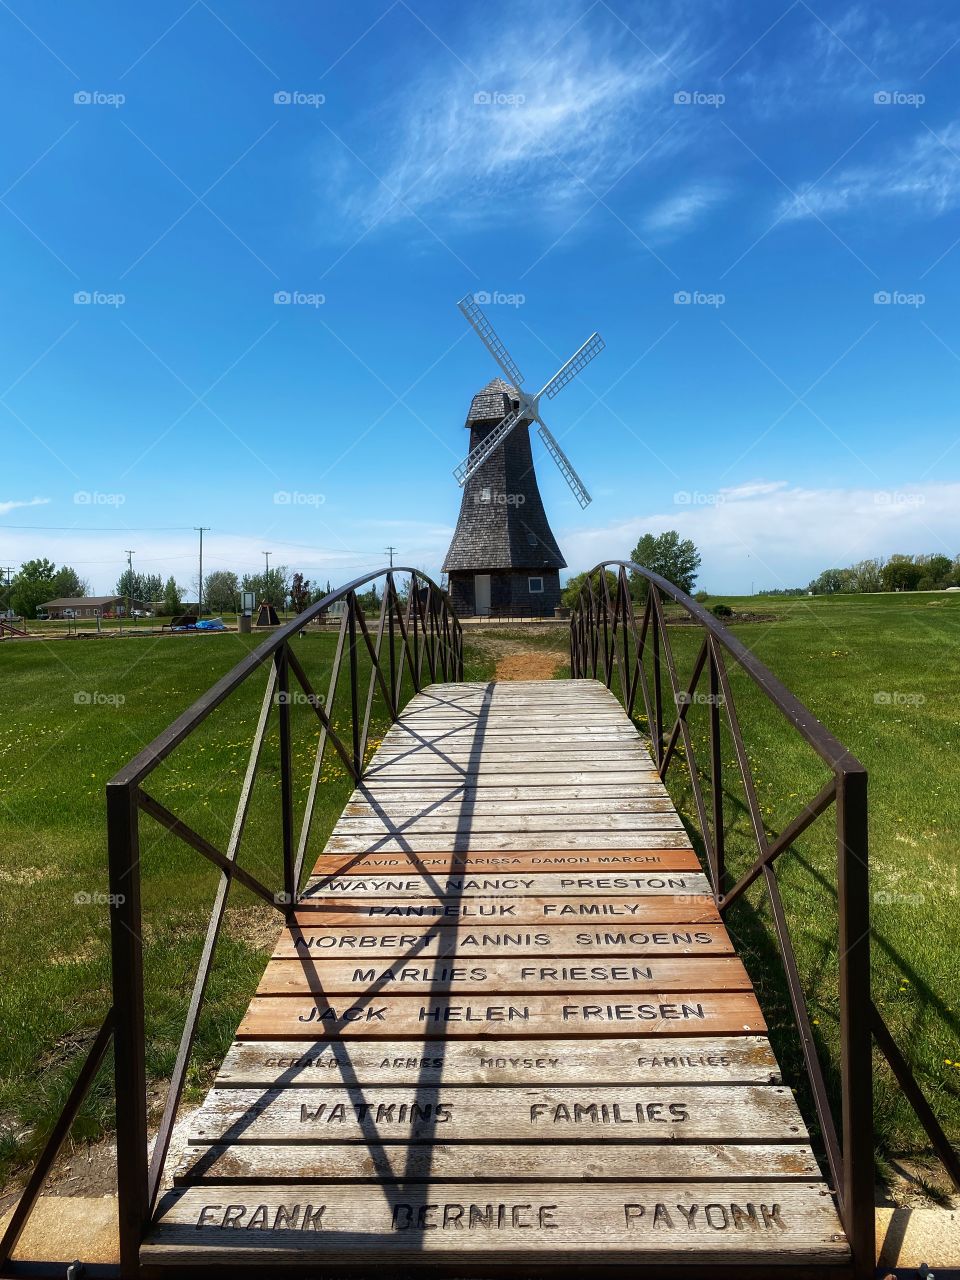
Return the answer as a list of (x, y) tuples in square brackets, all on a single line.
[(7, 569), (129, 555), (266, 577), (201, 529), (390, 551)]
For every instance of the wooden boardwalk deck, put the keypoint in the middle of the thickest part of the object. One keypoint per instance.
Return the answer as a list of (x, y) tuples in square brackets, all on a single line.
[(507, 1030)]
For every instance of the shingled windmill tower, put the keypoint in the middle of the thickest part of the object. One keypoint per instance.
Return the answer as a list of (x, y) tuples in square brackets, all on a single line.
[(503, 555)]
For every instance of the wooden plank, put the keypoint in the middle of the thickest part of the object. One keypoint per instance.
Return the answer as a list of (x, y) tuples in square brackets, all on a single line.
[(555, 840), (390, 886), (522, 807), (763, 1223), (607, 787), (600, 793), (473, 861), (424, 939), (438, 1017), (507, 975), (630, 763), (641, 1060), (377, 1114), (479, 823), (327, 1161), (663, 909)]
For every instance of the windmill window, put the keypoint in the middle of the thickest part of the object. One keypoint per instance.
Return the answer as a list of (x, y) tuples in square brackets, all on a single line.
[(535, 585)]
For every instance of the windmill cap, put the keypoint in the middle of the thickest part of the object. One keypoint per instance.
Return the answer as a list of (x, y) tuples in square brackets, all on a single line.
[(492, 402)]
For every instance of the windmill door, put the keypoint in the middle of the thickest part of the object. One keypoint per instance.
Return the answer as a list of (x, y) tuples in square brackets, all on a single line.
[(481, 593)]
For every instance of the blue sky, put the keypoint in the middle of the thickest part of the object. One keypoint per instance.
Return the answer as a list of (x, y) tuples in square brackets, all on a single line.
[(781, 164)]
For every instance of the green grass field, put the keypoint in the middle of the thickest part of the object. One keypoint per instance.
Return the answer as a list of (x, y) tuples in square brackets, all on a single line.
[(883, 673)]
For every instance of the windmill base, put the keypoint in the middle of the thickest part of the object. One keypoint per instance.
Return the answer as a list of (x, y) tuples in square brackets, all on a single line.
[(511, 593)]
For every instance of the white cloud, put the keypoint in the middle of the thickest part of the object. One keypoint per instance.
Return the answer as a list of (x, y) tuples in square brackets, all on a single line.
[(680, 211), (776, 535), (568, 108), (924, 176), (341, 553), (14, 504)]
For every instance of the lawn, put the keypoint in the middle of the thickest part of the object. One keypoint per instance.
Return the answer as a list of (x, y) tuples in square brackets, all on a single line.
[(882, 672), (76, 710)]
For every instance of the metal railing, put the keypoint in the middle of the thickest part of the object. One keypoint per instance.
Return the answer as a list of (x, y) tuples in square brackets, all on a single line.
[(608, 642), (416, 637)]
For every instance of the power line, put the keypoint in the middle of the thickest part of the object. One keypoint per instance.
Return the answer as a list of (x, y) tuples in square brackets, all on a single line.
[(389, 551)]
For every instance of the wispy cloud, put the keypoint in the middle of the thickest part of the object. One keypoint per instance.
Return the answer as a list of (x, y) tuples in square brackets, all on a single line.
[(574, 107), (7, 507), (679, 212), (922, 176)]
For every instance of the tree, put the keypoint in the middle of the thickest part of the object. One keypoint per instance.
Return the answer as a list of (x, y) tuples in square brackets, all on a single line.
[(369, 601), (938, 569), (299, 593), (571, 591), (152, 588), (901, 573), (666, 554), (32, 586), (220, 591), (67, 584), (867, 574), (172, 598), (828, 583), (270, 587), (131, 585)]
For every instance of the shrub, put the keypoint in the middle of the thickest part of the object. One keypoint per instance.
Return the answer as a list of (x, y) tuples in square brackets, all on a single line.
[(722, 611)]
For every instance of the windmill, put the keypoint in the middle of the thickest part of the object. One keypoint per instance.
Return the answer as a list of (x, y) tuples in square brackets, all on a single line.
[(504, 557), (528, 407)]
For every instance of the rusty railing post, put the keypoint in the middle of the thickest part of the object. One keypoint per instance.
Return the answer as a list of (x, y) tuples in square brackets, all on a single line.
[(856, 1040), (129, 1047), (286, 775)]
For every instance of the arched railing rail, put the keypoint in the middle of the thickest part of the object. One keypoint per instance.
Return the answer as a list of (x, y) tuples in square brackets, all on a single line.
[(417, 639), (612, 642)]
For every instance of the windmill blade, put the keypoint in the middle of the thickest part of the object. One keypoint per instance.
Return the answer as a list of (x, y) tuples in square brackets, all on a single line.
[(565, 465), (478, 456), (488, 337), (578, 361)]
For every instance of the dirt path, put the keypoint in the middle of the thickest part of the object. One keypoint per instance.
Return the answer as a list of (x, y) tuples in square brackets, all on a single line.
[(535, 664)]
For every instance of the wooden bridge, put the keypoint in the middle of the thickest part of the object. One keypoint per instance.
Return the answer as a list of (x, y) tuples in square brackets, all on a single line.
[(506, 1028)]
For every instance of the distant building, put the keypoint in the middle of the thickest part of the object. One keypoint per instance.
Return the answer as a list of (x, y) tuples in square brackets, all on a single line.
[(89, 606)]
